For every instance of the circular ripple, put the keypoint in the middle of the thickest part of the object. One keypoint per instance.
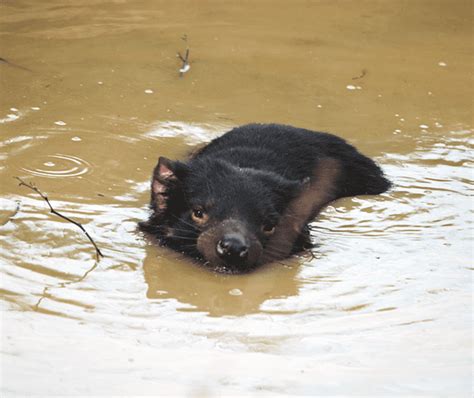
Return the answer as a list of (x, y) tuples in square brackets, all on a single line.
[(59, 166)]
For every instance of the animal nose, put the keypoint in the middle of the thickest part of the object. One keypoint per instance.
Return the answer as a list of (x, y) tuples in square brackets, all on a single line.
[(232, 248)]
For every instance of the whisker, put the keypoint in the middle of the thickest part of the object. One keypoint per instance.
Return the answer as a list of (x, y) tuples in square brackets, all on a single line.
[(184, 221), (184, 230), (180, 237)]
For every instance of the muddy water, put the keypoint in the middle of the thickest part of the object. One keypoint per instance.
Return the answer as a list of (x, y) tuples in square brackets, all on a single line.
[(91, 95)]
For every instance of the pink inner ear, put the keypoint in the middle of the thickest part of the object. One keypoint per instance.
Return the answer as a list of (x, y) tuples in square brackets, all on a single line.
[(164, 171)]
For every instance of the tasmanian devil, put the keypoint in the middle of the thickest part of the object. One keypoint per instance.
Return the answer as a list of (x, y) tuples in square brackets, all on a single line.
[(247, 197)]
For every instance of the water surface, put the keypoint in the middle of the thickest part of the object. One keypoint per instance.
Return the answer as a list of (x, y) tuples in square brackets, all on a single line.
[(91, 96)]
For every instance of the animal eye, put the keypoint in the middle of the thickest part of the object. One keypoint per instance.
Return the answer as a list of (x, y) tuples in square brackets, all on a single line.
[(199, 216), (198, 213), (268, 229)]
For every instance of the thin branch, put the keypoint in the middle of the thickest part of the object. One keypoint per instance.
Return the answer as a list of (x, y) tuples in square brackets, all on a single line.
[(363, 73), (43, 296), (7, 62), (185, 60), (77, 224)]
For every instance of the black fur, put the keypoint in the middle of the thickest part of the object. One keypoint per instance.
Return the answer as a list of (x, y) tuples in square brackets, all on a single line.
[(242, 183)]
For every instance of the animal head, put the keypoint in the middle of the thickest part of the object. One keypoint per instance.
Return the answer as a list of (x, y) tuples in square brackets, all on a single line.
[(217, 212)]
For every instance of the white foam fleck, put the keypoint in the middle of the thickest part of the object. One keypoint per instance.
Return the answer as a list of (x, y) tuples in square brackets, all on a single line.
[(148, 91), (14, 109), (192, 133), (235, 292), (185, 68), (423, 126), (10, 118), (60, 123), (76, 139), (441, 63), (35, 108)]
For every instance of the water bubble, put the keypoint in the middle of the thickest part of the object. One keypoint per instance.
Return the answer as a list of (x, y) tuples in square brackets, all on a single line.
[(235, 292), (76, 139)]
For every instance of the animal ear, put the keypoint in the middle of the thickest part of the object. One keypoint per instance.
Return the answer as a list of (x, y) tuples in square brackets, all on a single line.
[(294, 187), (285, 190), (167, 174)]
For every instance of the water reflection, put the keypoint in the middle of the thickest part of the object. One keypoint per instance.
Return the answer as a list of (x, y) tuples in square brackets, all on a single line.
[(169, 275)]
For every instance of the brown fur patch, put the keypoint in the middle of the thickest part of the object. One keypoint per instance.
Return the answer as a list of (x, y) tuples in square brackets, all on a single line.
[(318, 193)]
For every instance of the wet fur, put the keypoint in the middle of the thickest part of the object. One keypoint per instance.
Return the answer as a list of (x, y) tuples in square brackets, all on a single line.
[(256, 174)]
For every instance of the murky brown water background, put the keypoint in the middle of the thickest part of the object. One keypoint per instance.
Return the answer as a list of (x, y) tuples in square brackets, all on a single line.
[(91, 96)]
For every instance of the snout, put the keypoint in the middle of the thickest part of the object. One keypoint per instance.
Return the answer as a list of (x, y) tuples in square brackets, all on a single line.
[(230, 247), (233, 248)]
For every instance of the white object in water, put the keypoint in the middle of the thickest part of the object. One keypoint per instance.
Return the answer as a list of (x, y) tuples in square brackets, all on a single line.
[(185, 68)]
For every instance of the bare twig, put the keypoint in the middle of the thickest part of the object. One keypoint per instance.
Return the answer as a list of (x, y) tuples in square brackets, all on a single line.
[(43, 296), (7, 62), (362, 74), (185, 60), (77, 224)]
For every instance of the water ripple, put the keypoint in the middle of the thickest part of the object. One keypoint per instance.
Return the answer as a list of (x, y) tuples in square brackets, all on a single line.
[(59, 165)]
